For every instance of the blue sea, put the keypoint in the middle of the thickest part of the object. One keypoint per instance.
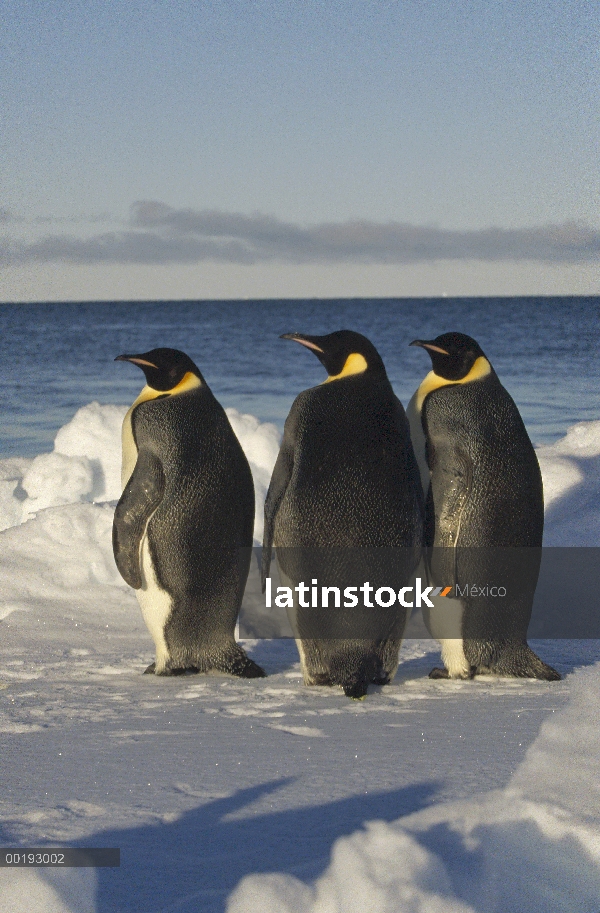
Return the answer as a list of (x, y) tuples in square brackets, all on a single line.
[(58, 357)]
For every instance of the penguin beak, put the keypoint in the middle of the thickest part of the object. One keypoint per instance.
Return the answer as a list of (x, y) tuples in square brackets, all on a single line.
[(136, 360), (428, 345), (304, 341)]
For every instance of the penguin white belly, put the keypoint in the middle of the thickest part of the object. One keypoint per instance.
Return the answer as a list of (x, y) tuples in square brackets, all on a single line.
[(156, 605), (444, 622)]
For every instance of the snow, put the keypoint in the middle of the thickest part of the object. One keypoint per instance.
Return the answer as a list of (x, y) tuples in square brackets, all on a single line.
[(266, 795), (260, 441), (571, 473), (533, 846)]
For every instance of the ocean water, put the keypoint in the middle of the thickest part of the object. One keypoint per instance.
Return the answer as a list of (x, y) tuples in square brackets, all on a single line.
[(58, 357)]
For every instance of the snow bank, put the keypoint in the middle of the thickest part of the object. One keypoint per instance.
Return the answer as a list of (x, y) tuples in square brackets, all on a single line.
[(60, 589), (11, 475), (85, 465), (260, 442), (383, 870), (49, 891), (571, 473), (532, 847), (58, 554)]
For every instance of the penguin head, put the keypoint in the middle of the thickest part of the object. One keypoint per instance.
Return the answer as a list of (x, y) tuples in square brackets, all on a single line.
[(164, 368), (452, 354), (342, 353)]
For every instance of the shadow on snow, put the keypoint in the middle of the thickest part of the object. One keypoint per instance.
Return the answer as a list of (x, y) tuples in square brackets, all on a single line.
[(196, 861)]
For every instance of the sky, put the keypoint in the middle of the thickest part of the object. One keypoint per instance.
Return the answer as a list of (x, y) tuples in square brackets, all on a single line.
[(242, 149)]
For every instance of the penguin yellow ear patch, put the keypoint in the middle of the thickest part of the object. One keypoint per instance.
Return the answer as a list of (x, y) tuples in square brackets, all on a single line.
[(355, 364), (433, 381), (189, 382)]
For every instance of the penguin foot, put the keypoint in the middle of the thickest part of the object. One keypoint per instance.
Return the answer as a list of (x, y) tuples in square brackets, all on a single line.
[(232, 660), (320, 678), (251, 670), (381, 678), (171, 670), (443, 673), (544, 674), (537, 668), (521, 662)]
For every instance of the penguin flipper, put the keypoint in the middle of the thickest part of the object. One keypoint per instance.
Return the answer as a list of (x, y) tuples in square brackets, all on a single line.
[(282, 473), (142, 495), (456, 483)]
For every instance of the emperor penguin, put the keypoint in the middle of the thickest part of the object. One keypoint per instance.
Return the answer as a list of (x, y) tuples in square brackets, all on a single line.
[(345, 506), (484, 513), (182, 532)]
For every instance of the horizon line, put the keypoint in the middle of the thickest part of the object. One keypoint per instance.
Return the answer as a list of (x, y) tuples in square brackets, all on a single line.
[(296, 298)]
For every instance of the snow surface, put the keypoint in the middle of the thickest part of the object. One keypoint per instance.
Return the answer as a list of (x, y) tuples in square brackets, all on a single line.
[(247, 796)]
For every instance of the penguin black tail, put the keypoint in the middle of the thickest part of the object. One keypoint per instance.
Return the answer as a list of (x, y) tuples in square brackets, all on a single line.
[(356, 690), (356, 676)]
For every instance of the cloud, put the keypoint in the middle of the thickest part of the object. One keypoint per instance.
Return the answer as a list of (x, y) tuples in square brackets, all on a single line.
[(71, 220), (120, 247), (160, 234)]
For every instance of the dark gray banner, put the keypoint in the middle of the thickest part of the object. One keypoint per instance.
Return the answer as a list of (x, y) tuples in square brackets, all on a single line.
[(59, 857), (373, 594)]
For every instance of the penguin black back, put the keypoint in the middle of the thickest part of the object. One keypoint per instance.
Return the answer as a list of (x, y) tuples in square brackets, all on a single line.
[(346, 486), (345, 454)]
